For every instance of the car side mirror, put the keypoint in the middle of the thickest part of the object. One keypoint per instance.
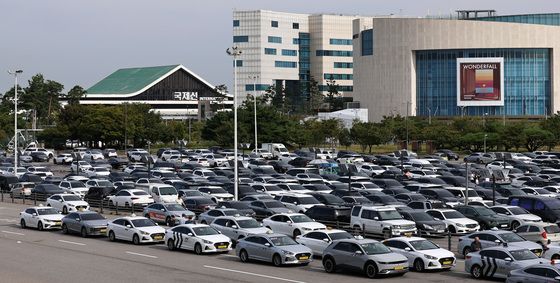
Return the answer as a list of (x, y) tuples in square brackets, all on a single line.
[(289, 222), (435, 218), (508, 259), (34, 214), (162, 209), (497, 241), (358, 253), (407, 249), (190, 234), (376, 218), (234, 226), (128, 226), (77, 219), (267, 244), (326, 240), (557, 278)]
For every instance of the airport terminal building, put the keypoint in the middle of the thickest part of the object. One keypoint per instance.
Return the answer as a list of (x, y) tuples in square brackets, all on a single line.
[(474, 64)]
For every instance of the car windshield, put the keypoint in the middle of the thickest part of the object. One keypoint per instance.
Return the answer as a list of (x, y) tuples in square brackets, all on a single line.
[(104, 183), (552, 229), (282, 241), (523, 255), (215, 190), (77, 184), (332, 199), (511, 237), (92, 216), (308, 200), (452, 214), (422, 245), (517, 210), (140, 193), (542, 191), (375, 248), (248, 223), (483, 211), (174, 207), (340, 236), (301, 218), (204, 231), (71, 198), (272, 188), (296, 187), (142, 223), (47, 211), (192, 193), (239, 205), (389, 215), (167, 191), (101, 169), (274, 204), (421, 216)]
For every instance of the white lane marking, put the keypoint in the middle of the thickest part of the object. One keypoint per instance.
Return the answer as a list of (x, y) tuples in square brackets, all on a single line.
[(144, 255), (15, 233), (72, 243), (230, 256), (254, 274), (8, 220)]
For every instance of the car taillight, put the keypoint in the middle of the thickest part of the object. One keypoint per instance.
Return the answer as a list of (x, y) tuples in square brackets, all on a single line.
[(544, 235), (133, 198)]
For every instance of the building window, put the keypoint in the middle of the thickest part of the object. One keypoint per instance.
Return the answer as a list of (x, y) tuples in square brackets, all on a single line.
[(343, 65), (337, 41), (260, 87), (367, 42), (339, 88), (270, 51), (285, 64), (336, 53), (296, 41), (239, 63), (240, 38), (295, 25), (289, 52), (235, 23), (274, 39), (338, 76), (274, 24)]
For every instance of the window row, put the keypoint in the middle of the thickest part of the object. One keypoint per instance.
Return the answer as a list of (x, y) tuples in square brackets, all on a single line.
[(338, 76), (334, 53)]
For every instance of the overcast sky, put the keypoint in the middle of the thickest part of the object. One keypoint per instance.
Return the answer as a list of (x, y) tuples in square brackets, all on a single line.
[(81, 42)]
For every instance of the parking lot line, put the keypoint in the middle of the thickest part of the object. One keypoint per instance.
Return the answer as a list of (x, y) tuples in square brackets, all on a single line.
[(144, 255), (15, 233), (72, 243), (229, 255), (253, 274)]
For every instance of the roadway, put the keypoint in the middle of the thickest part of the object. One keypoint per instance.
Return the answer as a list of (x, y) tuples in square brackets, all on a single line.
[(50, 256)]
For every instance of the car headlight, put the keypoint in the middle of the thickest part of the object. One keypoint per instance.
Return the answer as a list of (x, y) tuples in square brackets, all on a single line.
[(460, 225), (430, 257), (428, 227), (144, 233), (307, 229), (395, 227), (206, 242), (288, 253), (71, 205)]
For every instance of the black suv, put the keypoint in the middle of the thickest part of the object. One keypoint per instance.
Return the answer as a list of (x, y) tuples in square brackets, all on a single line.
[(329, 213), (486, 217)]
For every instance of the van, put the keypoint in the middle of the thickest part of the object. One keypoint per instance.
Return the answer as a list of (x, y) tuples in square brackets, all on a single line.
[(546, 207), (162, 193)]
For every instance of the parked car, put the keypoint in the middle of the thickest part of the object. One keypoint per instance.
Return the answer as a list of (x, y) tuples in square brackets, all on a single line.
[(170, 214), (292, 224), (425, 223), (199, 238), (40, 217), (422, 254), (135, 229), (486, 217), (318, 241), (541, 233), (385, 221), (497, 262), (275, 248), (67, 203), (497, 238), (86, 223)]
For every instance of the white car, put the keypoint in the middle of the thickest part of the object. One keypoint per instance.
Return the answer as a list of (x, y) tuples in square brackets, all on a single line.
[(287, 157), (168, 153), (63, 158), (100, 183), (19, 171), (132, 197), (136, 229), (456, 222), (517, 215), (66, 203), (216, 192), (39, 170), (74, 187), (539, 192), (40, 217), (262, 153), (498, 165), (28, 151), (371, 169), (97, 172), (318, 241), (216, 160), (81, 165), (199, 238), (93, 154), (421, 253), (130, 168), (292, 224), (238, 227)]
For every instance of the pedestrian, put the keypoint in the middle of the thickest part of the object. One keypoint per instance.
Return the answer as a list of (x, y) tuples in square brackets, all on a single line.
[(476, 245)]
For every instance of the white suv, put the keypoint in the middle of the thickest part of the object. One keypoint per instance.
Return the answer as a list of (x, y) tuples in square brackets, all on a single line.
[(385, 221)]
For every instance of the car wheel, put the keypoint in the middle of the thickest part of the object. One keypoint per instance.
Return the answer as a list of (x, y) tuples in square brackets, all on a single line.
[(277, 260), (329, 265), (419, 265), (452, 229), (111, 236), (64, 229), (466, 251), (297, 232), (54, 161), (514, 225), (171, 245), (136, 239), (198, 249), (65, 210), (83, 232), (168, 221), (371, 270), (40, 226), (244, 256), (386, 234), (22, 223), (476, 272)]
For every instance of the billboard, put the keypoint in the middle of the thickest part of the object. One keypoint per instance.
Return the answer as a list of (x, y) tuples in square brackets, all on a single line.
[(480, 81)]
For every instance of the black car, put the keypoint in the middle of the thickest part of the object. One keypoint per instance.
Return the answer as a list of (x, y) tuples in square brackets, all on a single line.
[(121, 176), (383, 199), (96, 195), (487, 194), (329, 199), (486, 217), (329, 214), (425, 223), (408, 197), (6, 181), (357, 200), (449, 154), (241, 206), (438, 194), (387, 183), (199, 204), (266, 208), (242, 190), (43, 191), (508, 192), (117, 162), (343, 193), (38, 156), (28, 177)]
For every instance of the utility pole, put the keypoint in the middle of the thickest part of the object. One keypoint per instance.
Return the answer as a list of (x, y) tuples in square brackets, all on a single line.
[(15, 73), (235, 52), (255, 78)]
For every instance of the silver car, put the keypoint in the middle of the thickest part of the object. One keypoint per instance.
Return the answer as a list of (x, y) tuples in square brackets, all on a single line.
[(497, 262), (491, 238), (208, 217), (539, 273), (276, 248), (369, 256), (171, 214), (87, 223)]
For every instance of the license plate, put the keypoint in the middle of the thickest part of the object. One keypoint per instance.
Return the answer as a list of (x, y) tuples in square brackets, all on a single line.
[(103, 231), (157, 238), (447, 262), (408, 234), (503, 225), (440, 231), (222, 247), (80, 209), (399, 268), (303, 258)]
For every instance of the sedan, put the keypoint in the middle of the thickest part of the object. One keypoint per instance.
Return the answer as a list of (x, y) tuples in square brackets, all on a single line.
[(539, 273), (421, 253), (87, 223), (276, 248), (135, 229), (170, 214), (292, 224), (41, 218), (67, 203), (199, 238), (131, 197), (318, 241), (208, 217)]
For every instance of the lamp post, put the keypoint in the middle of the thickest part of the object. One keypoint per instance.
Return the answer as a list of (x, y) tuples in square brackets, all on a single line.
[(15, 73), (484, 121), (255, 78), (485, 137), (407, 103), (235, 52)]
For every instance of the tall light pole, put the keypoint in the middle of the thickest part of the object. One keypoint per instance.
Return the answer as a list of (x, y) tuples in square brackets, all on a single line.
[(255, 78), (407, 103), (235, 52), (485, 137), (15, 73)]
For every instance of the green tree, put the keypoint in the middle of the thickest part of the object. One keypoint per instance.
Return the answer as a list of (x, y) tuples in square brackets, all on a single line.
[(333, 96), (316, 98), (42, 96), (536, 137), (369, 134), (75, 94)]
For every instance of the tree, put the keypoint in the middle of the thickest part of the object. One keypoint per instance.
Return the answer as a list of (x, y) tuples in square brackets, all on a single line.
[(333, 96), (75, 95), (316, 98), (42, 96), (536, 137), (368, 134)]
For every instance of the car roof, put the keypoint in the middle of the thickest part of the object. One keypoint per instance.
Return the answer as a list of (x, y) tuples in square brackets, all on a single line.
[(407, 239), (131, 217), (234, 217), (358, 241)]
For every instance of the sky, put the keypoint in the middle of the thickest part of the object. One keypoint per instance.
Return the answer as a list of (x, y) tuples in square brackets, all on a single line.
[(79, 42)]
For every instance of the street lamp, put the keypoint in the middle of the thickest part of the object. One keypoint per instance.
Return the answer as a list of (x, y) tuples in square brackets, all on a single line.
[(484, 121), (235, 52), (255, 78), (485, 136), (15, 73)]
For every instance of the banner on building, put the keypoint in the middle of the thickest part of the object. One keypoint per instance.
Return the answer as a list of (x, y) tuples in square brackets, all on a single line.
[(480, 81)]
